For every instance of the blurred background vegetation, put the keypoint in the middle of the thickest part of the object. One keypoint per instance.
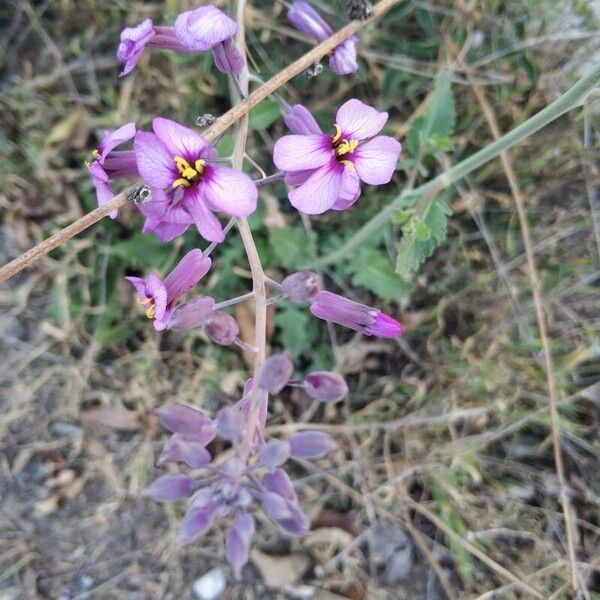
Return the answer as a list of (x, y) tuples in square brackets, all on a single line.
[(445, 460)]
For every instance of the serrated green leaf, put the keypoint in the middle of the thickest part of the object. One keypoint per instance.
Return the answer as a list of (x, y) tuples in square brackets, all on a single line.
[(374, 272), (264, 114), (422, 231), (291, 246)]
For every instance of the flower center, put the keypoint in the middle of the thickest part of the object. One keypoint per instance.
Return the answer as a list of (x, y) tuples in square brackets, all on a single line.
[(188, 173), (341, 146), (150, 308)]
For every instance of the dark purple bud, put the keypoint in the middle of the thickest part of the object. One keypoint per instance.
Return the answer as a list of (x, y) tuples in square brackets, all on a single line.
[(221, 328), (274, 453), (191, 314), (196, 522), (186, 449), (302, 286), (276, 372), (239, 539), (170, 488), (229, 423), (183, 419), (311, 444), (325, 386), (279, 482)]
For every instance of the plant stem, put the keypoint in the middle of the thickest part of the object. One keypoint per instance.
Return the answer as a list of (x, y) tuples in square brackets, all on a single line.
[(569, 100), (236, 300)]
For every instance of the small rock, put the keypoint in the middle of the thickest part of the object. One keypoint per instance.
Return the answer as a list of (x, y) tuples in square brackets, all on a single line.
[(210, 586), (278, 571)]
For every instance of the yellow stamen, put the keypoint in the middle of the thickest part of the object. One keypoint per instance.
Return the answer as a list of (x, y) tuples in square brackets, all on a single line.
[(150, 312), (143, 301), (199, 166), (346, 147), (338, 133), (95, 153), (181, 181)]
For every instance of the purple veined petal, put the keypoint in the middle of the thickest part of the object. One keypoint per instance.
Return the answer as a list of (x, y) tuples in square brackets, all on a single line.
[(307, 20), (231, 191), (184, 420), (201, 29), (133, 42), (179, 140), (349, 190), (276, 507), (376, 160), (238, 542), (166, 232), (325, 386), (154, 161), (115, 138), (170, 488), (229, 424), (221, 328), (311, 444), (228, 58), (186, 274), (385, 326), (207, 224), (139, 284), (274, 453), (184, 449), (196, 522), (276, 372), (278, 482), (300, 121), (320, 191), (302, 152), (191, 314), (103, 192), (360, 121), (156, 290), (302, 286), (342, 60), (298, 177)]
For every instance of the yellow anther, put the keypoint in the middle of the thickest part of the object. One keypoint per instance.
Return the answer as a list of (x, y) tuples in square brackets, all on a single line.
[(346, 147), (150, 312), (181, 181), (143, 301), (182, 164), (199, 166), (95, 153), (338, 133)]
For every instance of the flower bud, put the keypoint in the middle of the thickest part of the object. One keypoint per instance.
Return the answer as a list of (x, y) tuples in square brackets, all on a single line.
[(325, 386), (191, 314), (274, 453), (170, 488), (276, 372), (229, 423), (238, 541), (196, 522), (311, 444), (221, 328), (300, 121), (183, 419), (302, 286), (227, 58), (278, 481), (192, 452)]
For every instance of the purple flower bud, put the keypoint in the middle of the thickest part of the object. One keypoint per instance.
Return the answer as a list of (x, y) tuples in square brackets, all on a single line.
[(325, 386), (238, 542), (192, 314), (221, 328), (133, 42), (170, 488), (276, 372), (342, 60), (276, 507), (274, 453), (311, 444), (186, 449), (203, 28), (185, 420), (279, 482), (307, 20), (301, 122), (229, 423), (302, 286), (227, 58), (196, 522), (340, 310)]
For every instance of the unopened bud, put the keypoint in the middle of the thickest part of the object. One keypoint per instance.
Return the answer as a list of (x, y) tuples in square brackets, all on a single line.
[(191, 314), (325, 386), (221, 328), (276, 372), (311, 444), (274, 453), (302, 286)]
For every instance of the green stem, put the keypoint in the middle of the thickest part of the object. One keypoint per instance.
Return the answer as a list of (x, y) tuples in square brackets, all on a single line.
[(570, 99)]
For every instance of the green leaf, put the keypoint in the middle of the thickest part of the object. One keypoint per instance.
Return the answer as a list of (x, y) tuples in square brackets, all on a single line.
[(265, 113), (292, 246), (141, 249), (297, 329), (374, 272)]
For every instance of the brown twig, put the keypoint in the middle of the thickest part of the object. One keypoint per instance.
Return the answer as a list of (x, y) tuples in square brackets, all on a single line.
[(221, 125)]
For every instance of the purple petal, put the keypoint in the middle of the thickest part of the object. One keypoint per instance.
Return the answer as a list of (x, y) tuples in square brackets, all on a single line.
[(238, 542), (343, 311), (376, 160), (183, 419), (178, 140), (342, 60), (230, 423), (191, 314), (279, 482), (298, 177), (207, 224), (154, 161), (186, 274), (166, 232), (325, 386), (297, 523), (115, 138), (385, 326), (276, 507), (170, 488), (302, 286), (359, 121), (311, 444), (307, 20), (133, 42), (203, 28), (156, 290), (231, 191), (140, 286), (300, 121), (196, 522), (180, 448), (320, 191), (349, 190), (103, 192), (221, 328), (276, 372), (227, 58), (274, 453), (300, 152)]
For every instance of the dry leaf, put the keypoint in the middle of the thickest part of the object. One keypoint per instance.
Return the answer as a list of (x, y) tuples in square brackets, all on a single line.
[(278, 571), (119, 419)]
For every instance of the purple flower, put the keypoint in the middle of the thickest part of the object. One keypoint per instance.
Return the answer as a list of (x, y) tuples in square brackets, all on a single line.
[(159, 297), (170, 488), (359, 317), (280, 503), (307, 20), (274, 453), (185, 420), (302, 286), (109, 164), (311, 444), (327, 170), (238, 541), (276, 372), (188, 449), (187, 186), (133, 42), (325, 386)]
